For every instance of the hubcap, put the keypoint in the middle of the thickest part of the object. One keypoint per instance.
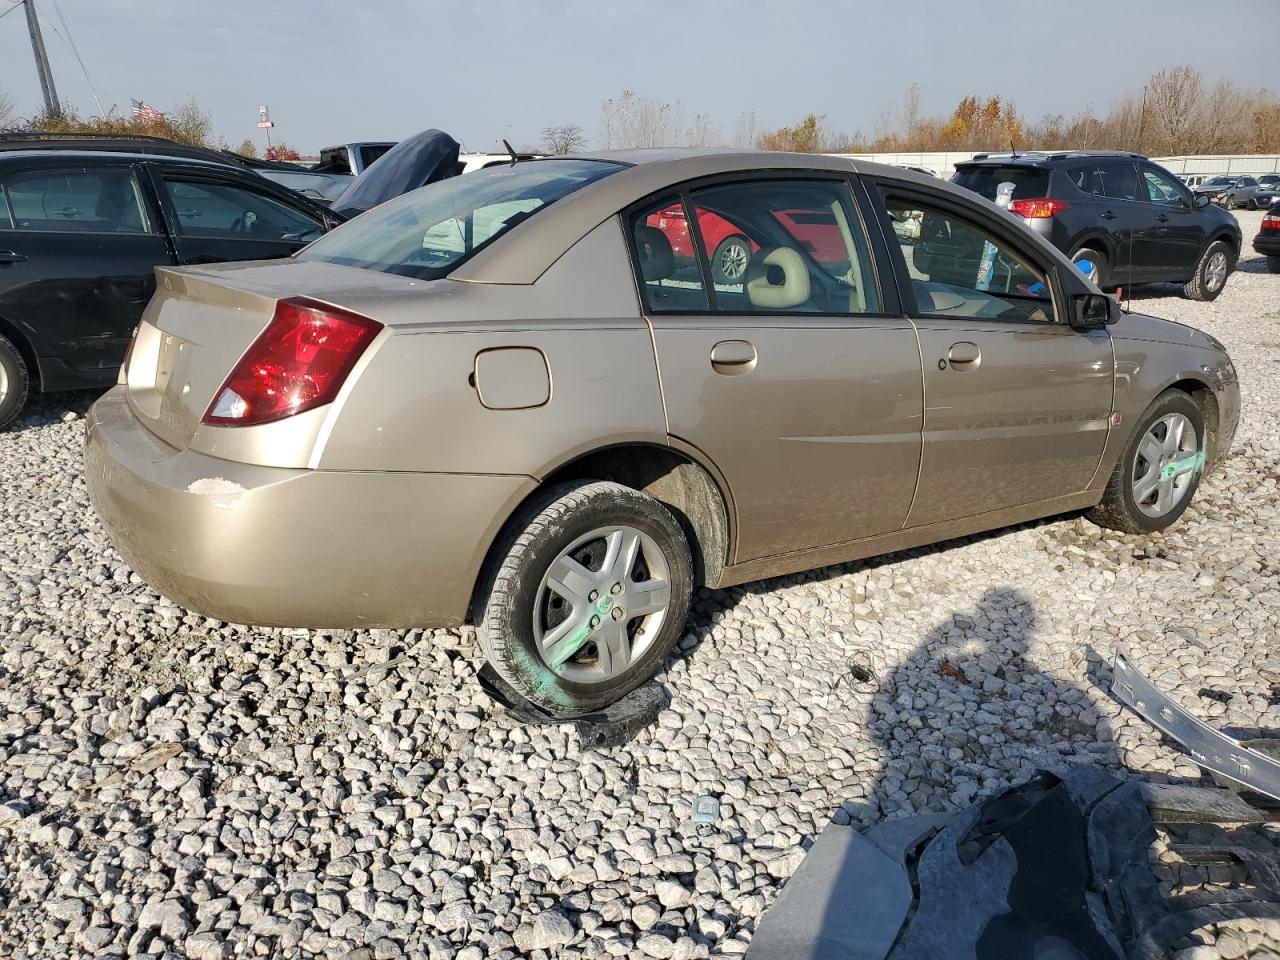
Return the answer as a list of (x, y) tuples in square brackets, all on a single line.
[(733, 261), (4, 384), (1215, 274), (1169, 457), (601, 604)]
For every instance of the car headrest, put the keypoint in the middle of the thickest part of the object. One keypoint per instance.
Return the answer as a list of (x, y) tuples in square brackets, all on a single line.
[(657, 259), (777, 279)]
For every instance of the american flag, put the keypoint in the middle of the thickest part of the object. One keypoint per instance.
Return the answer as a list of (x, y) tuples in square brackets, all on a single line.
[(145, 112)]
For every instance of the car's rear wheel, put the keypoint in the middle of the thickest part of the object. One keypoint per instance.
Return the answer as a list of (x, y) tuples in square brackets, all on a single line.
[(1092, 264), (1273, 264), (590, 597), (15, 382), (1160, 469), (730, 261), (1211, 272)]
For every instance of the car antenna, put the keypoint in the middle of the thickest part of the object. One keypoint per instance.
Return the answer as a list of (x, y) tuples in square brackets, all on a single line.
[(1013, 150), (511, 150)]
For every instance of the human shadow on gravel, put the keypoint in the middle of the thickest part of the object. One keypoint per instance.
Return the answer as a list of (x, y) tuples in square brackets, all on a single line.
[(970, 712)]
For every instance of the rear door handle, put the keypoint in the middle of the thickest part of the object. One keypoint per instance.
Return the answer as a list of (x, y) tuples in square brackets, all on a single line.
[(732, 357), (8, 256), (964, 356), (1108, 215), (1162, 218)]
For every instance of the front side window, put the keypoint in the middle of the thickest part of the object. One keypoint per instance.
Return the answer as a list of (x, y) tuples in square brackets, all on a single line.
[(959, 270), (1162, 188), (429, 232), (784, 246), (108, 200), (224, 211)]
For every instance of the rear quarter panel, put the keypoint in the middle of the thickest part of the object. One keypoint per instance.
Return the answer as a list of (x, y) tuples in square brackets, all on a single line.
[(417, 405)]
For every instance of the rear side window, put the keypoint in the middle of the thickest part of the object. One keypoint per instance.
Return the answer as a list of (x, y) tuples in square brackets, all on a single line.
[(671, 279), (230, 212), (429, 232), (959, 270), (1120, 180), (77, 201), (1029, 183)]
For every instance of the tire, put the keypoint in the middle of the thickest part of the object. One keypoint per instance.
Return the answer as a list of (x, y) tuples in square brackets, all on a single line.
[(1121, 507), (551, 649), (1252, 204), (1273, 264), (15, 382), (1101, 267), (730, 261), (1204, 283)]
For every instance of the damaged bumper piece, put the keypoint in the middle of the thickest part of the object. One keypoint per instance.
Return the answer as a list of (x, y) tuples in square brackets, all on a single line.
[(1233, 760)]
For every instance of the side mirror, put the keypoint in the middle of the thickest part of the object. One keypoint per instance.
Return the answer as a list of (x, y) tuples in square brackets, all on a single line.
[(1201, 201), (1092, 311)]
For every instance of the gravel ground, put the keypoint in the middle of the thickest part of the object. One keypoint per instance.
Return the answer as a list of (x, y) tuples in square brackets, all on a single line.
[(175, 785)]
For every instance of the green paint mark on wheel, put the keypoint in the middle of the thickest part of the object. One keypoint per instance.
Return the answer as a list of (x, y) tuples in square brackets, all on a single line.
[(1180, 467), (574, 645)]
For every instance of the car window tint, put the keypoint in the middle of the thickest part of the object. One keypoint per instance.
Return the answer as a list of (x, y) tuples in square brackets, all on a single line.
[(1029, 183), (1120, 180), (669, 277), (81, 201), (228, 212), (1090, 178), (792, 246), (1162, 188), (959, 270), (368, 154)]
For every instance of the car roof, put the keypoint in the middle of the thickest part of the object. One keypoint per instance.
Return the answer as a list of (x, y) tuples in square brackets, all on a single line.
[(96, 155), (531, 247), (1035, 157)]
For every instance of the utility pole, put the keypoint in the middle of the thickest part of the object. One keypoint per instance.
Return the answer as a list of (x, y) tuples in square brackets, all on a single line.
[(51, 105)]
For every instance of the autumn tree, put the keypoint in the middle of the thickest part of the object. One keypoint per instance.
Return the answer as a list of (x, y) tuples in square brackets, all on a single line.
[(807, 136), (247, 148), (186, 124), (282, 151), (567, 138)]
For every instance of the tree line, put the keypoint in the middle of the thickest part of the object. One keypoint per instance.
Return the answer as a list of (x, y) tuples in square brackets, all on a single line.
[(1175, 112)]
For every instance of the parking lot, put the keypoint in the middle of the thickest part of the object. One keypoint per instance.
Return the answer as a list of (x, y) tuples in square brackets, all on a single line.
[(169, 782)]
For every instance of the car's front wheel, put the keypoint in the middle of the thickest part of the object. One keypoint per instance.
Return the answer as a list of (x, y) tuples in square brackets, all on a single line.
[(590, 597), (1160, 469), (1211, 273), (14, 382)]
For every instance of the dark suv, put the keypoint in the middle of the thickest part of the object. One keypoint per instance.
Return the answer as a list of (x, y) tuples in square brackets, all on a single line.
[(1120, 217), (81, 233)]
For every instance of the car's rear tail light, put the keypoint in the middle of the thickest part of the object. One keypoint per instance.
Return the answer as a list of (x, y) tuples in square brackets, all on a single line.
[(1271, 221), (298, 363), (1038, 209)]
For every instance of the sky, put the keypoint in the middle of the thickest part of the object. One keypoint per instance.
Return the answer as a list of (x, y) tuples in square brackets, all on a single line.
[(334, 71)]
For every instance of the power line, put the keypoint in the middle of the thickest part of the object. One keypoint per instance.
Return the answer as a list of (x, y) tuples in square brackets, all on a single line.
[(70, 42)]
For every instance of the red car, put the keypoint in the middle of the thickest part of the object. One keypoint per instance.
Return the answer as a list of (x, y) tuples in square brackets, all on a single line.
[(731, 250)]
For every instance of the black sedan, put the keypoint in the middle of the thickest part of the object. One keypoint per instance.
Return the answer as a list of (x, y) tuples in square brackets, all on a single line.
[(1267, 242)]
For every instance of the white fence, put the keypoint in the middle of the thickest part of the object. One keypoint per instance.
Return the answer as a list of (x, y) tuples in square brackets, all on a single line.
[(944, 163)]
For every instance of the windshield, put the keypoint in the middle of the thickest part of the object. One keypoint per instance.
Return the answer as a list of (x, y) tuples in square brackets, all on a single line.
[(1028, 182), (429, 232), (1221, 181)]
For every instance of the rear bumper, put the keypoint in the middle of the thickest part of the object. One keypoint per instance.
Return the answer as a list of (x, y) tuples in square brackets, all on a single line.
[(282, 547), (1267, 243)]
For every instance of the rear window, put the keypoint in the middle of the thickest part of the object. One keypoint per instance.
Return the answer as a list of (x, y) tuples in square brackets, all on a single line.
[(372, 152), (1028, 182), (429, 232)]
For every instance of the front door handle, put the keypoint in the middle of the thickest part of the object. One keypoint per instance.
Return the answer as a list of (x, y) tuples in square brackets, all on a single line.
[(732, 357), (8, 256), (1162, 218), (964, 356), (1108, 215)]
